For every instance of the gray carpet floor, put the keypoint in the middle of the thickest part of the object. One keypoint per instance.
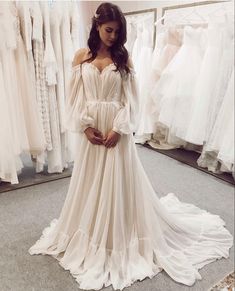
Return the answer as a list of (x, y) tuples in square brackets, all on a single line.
[(25, 212)]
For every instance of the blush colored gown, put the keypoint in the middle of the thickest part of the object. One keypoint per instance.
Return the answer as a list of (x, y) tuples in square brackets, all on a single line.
[(113, 229)]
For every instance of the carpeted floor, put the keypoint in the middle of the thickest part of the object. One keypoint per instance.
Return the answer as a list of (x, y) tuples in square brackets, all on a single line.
[(25, 212)]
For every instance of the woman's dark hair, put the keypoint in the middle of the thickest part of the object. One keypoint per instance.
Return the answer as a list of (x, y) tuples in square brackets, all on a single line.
[(107, 12)]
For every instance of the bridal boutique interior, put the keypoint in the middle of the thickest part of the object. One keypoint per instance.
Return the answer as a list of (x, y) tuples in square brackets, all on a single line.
[(183, 57)]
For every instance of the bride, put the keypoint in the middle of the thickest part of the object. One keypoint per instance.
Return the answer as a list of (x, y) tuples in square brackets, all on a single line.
[(113, 229)]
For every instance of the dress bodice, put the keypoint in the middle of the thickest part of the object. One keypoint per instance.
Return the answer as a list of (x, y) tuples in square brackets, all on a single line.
[(101, 86), (94, 95)]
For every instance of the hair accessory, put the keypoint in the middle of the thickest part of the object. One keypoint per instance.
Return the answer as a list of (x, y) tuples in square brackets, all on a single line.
[(96, 15)]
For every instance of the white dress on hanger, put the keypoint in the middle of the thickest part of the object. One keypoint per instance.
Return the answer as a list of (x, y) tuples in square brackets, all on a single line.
[(175, 88), (54, 155), (161, 138), (172, 41), (159, 46), (205, 87), (41, 87), (58, 14), (227, 61), (131, 36), (208, 158), (113, 229), (15, 102), (226, 114), (219, 149), (33, 122), (10, 142), (75, 25), (145, 124), (10, 163), (137, 47)]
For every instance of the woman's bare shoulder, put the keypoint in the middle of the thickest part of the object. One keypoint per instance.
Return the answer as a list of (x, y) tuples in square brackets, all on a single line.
[(80, 56)]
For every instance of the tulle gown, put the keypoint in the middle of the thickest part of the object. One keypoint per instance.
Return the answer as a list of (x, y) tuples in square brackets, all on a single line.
[(113, 229), (205, 86), (218, 153), (173, 94)]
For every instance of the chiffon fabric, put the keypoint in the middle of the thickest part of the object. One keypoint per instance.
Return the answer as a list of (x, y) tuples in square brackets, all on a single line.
[(113, 229)]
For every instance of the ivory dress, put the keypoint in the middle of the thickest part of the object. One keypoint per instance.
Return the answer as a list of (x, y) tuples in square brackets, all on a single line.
[(174, 90), (113, 229)]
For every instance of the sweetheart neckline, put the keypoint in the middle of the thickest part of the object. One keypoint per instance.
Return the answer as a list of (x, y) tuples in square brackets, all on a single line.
[(100, 72)]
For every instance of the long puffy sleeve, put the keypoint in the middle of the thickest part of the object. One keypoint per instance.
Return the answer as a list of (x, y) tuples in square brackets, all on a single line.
[(126, 120), (76, 114)]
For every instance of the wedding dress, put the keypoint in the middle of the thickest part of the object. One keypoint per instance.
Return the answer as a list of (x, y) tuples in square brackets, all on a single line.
[(145, 124), (161, 138), (176, 86), (113, 229), (219, 149), (173, 41), (205, 86)]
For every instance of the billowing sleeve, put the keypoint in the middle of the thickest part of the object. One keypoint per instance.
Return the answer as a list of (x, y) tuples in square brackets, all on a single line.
[(126, 120), (76, 113)]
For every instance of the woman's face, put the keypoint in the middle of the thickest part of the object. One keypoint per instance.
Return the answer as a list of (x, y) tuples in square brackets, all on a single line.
[(108, 32)]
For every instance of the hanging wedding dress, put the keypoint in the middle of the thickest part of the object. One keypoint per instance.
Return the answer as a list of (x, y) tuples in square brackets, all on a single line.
[(19, 131), (172, 41), (57, 21), (220, 145), (158, 50), (113, 229), (53, 155), (10, 163), (226, 115), (205, 87), (131, 35), (177, 83), (137, 47), (208, 158), (40, 74), (224, 74), (145, 124), (33, 122)]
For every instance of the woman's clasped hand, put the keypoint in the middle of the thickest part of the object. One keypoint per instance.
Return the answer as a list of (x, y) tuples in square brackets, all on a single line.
[(96, 137)]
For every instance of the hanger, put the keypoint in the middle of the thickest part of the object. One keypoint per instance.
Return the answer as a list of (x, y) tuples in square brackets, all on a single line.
[(173, 18)]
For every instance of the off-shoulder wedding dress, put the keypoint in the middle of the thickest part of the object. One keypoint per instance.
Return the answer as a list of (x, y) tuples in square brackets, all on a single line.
[(113, 228)]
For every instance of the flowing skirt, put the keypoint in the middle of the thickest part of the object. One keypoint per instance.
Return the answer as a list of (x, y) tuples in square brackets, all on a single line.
[(114, 230)]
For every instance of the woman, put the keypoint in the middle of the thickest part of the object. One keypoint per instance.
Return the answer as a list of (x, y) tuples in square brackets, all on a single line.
[(113, 229)]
